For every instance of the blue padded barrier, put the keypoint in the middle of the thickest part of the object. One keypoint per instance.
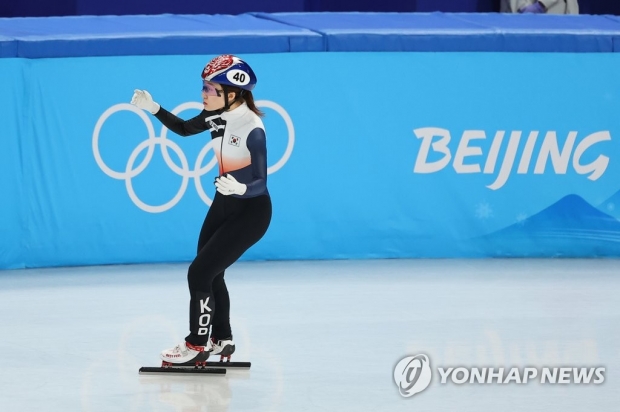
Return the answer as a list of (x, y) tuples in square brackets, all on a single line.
[(154, 35), (13, 135), (550, 33), (8, 46), (479, 161), (129, 7), (457, 31), (304, 32), (393, 31), (616, 20)]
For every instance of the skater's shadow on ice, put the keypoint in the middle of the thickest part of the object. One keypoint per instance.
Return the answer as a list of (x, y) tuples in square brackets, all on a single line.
[(189, 393)]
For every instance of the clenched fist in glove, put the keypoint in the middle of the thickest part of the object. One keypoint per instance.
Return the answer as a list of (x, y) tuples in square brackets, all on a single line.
[(228, 185), (143, 100)]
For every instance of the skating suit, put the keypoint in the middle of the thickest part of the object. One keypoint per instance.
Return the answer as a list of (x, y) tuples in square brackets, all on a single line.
[(233, 223)]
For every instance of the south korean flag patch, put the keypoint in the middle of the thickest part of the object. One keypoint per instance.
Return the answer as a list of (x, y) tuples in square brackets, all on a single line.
[(234, 140)]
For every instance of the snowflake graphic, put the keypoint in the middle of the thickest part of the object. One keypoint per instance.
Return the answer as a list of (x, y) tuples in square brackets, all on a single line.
[(484, 211), (521, 218)]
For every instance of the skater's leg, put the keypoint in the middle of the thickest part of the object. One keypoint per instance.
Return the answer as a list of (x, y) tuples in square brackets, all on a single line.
[(216, 216), (221, 334), (222, 249), (221, 321), (211, 261)]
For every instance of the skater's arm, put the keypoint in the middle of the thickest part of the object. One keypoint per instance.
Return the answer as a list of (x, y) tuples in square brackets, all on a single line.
[(257, 145), (183, 127), (144, 100)]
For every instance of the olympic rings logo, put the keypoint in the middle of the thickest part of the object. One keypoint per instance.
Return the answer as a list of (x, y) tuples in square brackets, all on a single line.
[(131, 170)]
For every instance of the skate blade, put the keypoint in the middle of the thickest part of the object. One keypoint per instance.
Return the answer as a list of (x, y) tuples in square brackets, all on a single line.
[(183, 370), (228, 364)]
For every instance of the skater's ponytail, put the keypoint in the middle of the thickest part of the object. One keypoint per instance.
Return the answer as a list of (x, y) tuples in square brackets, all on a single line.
[(247, 97), (249, 100)]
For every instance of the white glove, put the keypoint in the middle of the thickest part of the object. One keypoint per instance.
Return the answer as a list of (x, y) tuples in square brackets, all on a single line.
[(143, 100), (228, 185)]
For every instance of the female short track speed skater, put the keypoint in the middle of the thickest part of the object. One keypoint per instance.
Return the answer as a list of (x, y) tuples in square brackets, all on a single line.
[(241, 210)]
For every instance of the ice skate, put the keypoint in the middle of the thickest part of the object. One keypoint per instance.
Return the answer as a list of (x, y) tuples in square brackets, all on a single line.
[(224, 347), (185, 358), (185, 354)]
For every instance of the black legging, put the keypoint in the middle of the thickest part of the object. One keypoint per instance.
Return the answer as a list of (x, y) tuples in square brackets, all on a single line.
[(231, 227)]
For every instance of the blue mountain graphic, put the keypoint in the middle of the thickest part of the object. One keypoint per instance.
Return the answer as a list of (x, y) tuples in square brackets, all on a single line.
[(570, 227), (611, 205)]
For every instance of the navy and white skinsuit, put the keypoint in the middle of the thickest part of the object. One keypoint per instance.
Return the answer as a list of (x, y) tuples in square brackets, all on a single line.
[(233, 223)]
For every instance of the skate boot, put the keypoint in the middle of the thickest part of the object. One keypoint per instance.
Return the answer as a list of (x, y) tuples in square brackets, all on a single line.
[(186, 354), (223, 347)]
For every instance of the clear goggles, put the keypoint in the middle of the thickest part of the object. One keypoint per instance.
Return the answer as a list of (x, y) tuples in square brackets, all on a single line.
[(211, 90)]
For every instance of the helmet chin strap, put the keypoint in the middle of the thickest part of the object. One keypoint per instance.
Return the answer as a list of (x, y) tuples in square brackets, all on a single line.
[(227, 104)]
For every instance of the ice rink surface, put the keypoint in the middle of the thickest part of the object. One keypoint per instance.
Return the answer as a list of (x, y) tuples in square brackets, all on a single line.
[(321, 336)]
